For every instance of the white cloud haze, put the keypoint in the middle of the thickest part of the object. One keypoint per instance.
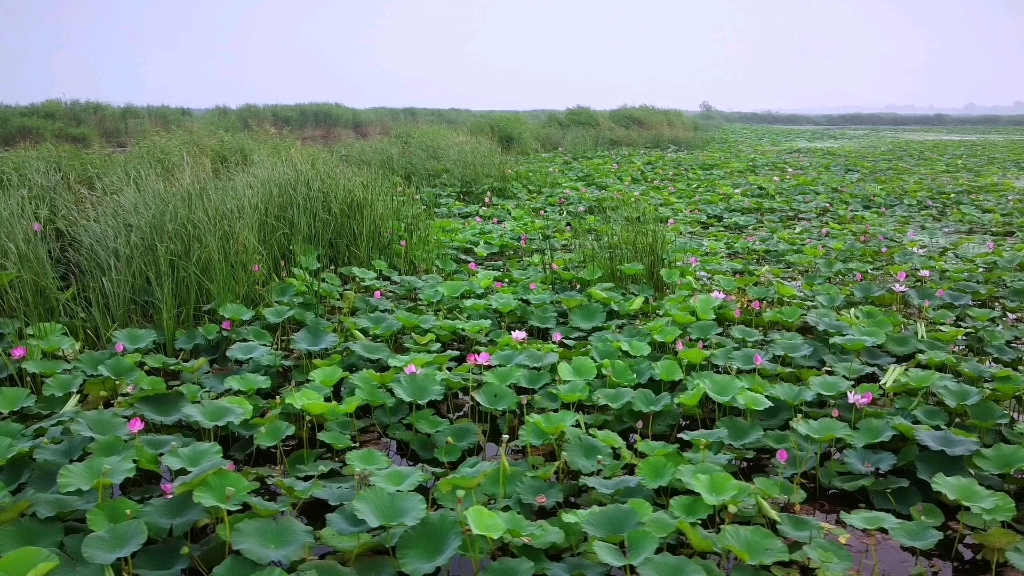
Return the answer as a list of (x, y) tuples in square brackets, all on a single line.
[(515, 54)]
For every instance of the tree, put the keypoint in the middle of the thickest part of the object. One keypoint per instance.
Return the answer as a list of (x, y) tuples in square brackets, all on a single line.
[(706, 106)]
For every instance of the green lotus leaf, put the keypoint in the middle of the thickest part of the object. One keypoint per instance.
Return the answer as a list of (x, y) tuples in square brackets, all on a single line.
[(115, 542), (509, 567), (28, 561), (380, 507), (581, 368), (916, 535), (586, 454), (869, 519), (430, 544), (223, 489), (612, 520), (948, 442), (484, 522), (753, 544), (264, 540)]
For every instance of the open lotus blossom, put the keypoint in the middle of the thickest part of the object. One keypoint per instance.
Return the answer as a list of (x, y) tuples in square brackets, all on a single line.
[(884, 249), (533, 285), (554, 266), (473, 266), (925, 273), (782, 456), (402, 244), (487, 200), (940, 292), (718, 295), (901, 276), (168, 489), (499, 285), (750, 239), (899, 287), (481, 359), (927, 303), (858, 399), (119, 348), (377, 295), (519, 335), (135, 425), (37, 227), (694, 261), (479, 219), (991, 246), (557, 337), (19, 353), (756, 304), (226, 325), (918, 250), (758, 360), (912, 234), (412, 369), (859, 277), (671, 221), (495, 221), (824, 231)]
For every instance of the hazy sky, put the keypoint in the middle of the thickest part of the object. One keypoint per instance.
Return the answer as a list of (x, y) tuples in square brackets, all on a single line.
[(515, 54)]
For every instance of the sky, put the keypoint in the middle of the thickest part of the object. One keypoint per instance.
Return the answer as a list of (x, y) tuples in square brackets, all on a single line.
[(515, 54)]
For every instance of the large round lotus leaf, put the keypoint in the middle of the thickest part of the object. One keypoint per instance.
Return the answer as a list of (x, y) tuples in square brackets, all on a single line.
[(668, 565), (399, 478), (753, 544), (587, 316), (12, 399), (224, 489), (948, 442), (380, 507), (165, 558), (497, 397), (28, 561), (484, 522), (586, 454), (314, 339), (580, 368), (135, 338), (94, 472), (916, 535), (110, 512), (193, 456), (247, 382), (509, 567), (430, 544), (264, 540), (1000, 458), (273, 432), (716, 489), (869, 519), (418, 388), (115, 542), (612, 520), (175, 515)]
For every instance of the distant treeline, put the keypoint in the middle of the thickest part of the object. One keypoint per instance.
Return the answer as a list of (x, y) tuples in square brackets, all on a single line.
[(863, 119), (92, 124)]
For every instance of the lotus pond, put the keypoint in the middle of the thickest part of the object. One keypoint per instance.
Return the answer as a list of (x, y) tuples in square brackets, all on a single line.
[(780, 353)]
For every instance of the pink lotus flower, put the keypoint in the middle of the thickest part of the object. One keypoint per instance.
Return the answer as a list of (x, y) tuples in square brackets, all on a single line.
[(927, 303), (483, 359), (671, 222), (756, 304), (402, 244), (256, 268), (226, 325), (487, 200), (412, 369), (519, 335), (377, 295), (824, 231), (738, 313), (495, 221), (750, 239), (758, 360), (533, 285), (884, 249), (554, 266), (718, 295), (556, 337), (700, 345), (899, 288), (680, 346), (901, 276), (863, 239), (479, 219), (499, 285), (694, 261), (37, 227), (168, 489), (917, 250), (859, 400), (940, 293), (231, 467), (782, 455), (835, 412), (522, 239), (135, 425), (119, 348), (19, 353), (859, 277), (473, 266), (925, 273), (991, 246)]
